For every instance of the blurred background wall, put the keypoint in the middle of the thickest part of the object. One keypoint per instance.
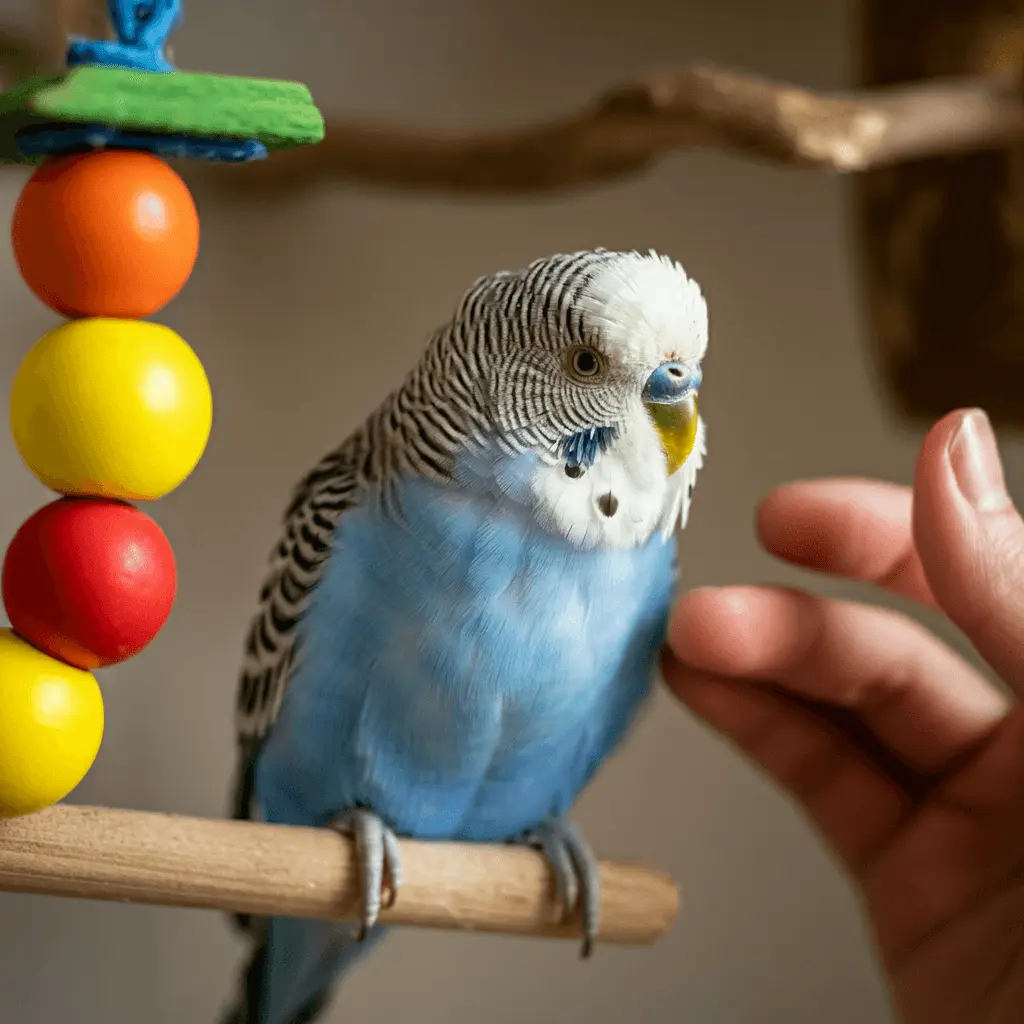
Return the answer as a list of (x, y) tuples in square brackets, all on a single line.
[(307, 312)]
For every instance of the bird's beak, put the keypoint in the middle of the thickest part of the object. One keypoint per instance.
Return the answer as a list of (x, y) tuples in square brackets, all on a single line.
[(670, 396)]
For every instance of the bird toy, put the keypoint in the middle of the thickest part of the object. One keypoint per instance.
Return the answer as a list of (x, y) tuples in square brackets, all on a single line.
[(109, 409)]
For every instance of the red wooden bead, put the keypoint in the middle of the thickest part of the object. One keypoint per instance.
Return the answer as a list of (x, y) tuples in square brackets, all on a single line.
[(89, 581)]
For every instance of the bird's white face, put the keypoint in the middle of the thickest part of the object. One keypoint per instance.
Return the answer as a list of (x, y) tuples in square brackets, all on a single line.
[(624, 498), (631, 440)]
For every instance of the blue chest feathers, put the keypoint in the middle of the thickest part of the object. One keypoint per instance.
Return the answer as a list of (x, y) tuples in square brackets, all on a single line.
[(462, 673)]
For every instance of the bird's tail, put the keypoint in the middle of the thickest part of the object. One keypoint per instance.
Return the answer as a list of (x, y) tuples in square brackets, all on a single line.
[(293, 965), (293, 969)]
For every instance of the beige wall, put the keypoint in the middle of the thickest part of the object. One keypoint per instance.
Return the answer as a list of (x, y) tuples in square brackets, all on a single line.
[(304, 314)]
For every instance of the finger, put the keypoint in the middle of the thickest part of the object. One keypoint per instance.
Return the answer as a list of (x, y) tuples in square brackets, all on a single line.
[(856, 807), (920, 699), (970, 539), (965, 847), (850, 527)]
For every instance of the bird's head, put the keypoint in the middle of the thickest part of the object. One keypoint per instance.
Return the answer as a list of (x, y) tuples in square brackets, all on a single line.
[(581, 349), (591, 362)]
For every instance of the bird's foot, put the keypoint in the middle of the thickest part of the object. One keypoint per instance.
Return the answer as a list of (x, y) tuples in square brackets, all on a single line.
[(577, 878), (380, 862)]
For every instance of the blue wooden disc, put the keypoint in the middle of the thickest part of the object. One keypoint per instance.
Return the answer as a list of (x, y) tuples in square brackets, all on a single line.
[(58, 140)]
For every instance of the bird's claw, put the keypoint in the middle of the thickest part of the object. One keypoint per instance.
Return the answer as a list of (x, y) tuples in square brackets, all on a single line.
[(576, 875), (380, 863)]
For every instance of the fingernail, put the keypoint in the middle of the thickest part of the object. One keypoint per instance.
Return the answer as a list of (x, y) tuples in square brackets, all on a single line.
[(976, 464)]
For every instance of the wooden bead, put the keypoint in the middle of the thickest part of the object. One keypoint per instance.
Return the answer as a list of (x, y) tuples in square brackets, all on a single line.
[(111, 233), (112, 408), (51, 727), (89, 581)]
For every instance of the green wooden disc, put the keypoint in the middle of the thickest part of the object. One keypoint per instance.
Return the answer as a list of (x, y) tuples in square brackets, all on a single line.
[(280, 114)]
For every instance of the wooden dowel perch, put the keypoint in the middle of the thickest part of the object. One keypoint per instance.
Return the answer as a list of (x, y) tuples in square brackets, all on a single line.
[(168, 860)]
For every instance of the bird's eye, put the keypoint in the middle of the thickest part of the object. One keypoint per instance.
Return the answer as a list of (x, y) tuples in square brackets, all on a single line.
[(585, 362)]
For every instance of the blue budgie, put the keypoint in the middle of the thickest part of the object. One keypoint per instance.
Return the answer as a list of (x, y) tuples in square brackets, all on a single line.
[(465, 609)]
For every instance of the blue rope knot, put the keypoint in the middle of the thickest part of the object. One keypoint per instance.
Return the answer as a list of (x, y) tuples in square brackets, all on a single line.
[(142, 27)]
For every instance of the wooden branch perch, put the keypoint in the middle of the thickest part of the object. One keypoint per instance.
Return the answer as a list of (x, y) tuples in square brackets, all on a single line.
[(630, 128), (162, 859)]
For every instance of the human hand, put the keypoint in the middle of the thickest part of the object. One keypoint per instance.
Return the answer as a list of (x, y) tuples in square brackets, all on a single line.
[(910, 763)]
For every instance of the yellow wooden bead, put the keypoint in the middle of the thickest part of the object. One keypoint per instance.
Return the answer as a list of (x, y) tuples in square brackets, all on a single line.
[(116, 408), (51, 726)]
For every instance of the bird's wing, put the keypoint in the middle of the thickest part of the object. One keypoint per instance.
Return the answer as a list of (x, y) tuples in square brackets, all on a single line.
[(297, 563)]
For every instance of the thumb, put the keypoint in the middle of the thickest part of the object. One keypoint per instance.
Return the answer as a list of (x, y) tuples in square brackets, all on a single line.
[(970, 539)]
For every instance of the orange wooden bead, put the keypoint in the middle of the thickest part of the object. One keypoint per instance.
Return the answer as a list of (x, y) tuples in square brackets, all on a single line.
[(106, 234)]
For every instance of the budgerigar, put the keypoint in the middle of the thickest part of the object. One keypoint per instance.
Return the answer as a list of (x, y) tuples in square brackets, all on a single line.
[(465, 609)]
